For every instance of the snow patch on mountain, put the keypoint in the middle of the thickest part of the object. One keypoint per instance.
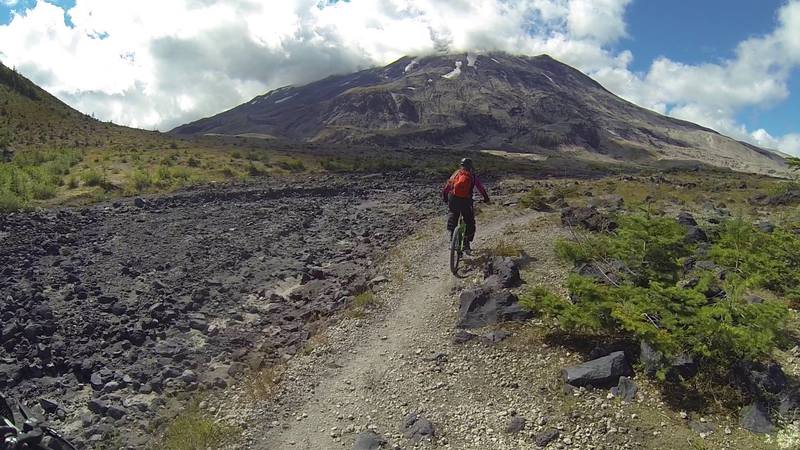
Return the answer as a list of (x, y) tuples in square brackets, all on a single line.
[(455, 73)]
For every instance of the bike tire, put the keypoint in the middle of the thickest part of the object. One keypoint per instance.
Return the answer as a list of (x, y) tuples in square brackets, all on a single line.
[(455, 251)]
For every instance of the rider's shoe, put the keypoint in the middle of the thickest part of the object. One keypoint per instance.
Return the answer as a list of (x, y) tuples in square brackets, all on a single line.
[(467, 248)]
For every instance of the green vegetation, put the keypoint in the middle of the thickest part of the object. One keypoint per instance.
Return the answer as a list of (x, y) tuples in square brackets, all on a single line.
[(535, 199), (192, 430), (364, 299), (33, 176), (703, 311)]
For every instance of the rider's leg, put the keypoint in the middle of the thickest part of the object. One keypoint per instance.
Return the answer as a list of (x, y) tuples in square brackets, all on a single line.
[(469, 220), (455, 212)]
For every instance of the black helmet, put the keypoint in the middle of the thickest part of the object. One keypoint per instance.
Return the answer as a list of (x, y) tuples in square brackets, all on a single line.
[(466, 162)]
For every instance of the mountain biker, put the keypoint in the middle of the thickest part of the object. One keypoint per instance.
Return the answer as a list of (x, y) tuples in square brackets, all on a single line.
[(457, 193)]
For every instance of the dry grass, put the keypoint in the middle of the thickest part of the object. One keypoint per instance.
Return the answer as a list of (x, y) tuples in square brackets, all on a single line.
[(263, 384), (316, 341), (505, 248)]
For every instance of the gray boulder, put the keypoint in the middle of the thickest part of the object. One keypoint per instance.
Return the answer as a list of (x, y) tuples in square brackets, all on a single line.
[(587, 217), (695, 235), (505, 270), (480, 307), (686, 219), (626, 390), (601, 372), (755, 418), (369, 440)]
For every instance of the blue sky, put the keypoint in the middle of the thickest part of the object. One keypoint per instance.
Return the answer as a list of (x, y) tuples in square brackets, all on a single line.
[(157, 64), (684, 32)]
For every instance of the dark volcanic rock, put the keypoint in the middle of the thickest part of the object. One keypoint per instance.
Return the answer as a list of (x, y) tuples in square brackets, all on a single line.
[(480, 307), (759, 380), (602, 372), (92, 295), (544, 438), (417, 428), (695, 235), (97, 406), (587, 217), (506, 271), (684, 218)]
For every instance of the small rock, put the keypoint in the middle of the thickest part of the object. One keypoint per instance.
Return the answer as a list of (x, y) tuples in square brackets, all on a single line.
[(49, 406), (417, 428), (625, 390), (97, 406), (515, 425), (601, 372), (462, 336), (369, 440), (755, 418), (116, 412), (545, 438)]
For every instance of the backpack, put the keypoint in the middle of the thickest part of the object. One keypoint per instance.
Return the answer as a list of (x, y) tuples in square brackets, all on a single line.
[(462, 184)]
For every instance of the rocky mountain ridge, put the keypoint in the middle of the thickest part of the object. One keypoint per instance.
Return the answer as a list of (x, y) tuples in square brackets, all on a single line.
[(492, 101)]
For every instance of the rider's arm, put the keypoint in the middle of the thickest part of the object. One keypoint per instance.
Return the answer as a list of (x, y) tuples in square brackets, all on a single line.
[(481, 189), (448, 187)]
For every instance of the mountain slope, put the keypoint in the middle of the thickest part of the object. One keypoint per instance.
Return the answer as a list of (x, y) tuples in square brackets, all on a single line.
[(32, 117), (489, 101)]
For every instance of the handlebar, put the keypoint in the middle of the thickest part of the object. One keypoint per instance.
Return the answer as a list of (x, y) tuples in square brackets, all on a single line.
[(30, 435)]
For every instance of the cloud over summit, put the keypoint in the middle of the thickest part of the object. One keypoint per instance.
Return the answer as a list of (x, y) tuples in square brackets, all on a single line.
[(156, 64)]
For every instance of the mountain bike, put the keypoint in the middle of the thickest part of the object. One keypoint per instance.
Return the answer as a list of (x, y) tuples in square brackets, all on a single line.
[(457, 245), (28, 435)]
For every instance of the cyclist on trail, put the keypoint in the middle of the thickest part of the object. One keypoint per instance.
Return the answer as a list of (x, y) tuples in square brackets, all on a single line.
[(457, 193)]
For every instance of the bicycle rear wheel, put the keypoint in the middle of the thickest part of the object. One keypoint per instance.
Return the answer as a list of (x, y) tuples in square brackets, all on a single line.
[(455, 250)]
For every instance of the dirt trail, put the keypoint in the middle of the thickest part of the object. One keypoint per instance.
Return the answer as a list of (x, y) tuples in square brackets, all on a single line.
[(379, 371), (368, 372)]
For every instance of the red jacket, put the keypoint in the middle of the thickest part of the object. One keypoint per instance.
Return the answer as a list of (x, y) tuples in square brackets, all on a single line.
[(476, 183)]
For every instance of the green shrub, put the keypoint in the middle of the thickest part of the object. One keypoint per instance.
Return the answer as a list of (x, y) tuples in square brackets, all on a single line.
[(43, 191), (292, 165), (650, 247), (255, 171), (93, 178), (364, 299), (192, 430), (649, 304), (140, 180), (766, 260), (535, 199), (10, 201)]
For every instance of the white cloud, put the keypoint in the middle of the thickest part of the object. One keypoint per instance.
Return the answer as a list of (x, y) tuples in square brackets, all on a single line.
[(161, 63)]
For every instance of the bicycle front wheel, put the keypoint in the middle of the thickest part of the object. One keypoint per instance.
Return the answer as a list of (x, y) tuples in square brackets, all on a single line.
[(455, 251)]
